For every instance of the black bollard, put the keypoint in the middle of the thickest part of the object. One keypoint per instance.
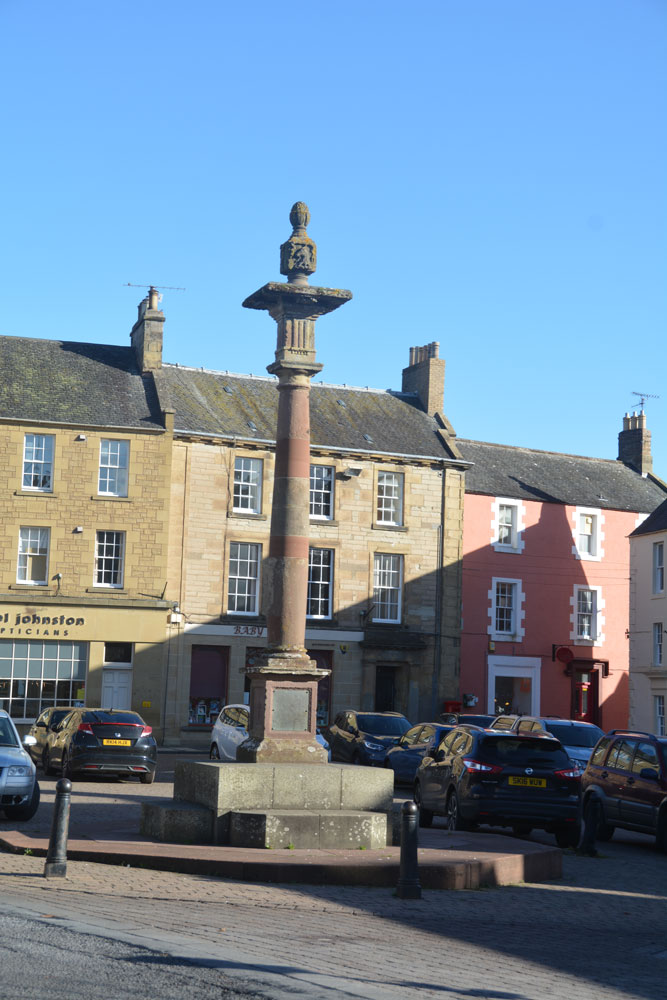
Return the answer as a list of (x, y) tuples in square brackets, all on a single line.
[(408, 879), (56, 856), (592, 816)]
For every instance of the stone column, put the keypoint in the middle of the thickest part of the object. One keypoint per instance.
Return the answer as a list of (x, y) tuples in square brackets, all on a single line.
[(283, 684)]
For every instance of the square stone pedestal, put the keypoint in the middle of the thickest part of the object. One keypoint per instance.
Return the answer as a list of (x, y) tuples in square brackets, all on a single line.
[(276, 805)]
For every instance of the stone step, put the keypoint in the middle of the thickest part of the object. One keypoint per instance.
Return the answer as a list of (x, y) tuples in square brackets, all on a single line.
[(327, 829), (173, 822)]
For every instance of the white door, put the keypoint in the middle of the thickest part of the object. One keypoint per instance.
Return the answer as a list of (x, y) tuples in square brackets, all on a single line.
[(116, 688)]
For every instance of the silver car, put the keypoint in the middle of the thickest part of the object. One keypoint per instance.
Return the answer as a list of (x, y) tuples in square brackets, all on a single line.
[(231, 730), (19, 790)]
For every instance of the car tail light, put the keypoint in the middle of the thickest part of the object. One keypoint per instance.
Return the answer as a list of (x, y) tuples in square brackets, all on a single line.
[(477, 765), (85, 727), (146, 731), (571, 772)]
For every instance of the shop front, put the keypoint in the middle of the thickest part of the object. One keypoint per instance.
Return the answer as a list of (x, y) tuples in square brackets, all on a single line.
[(72, 654)]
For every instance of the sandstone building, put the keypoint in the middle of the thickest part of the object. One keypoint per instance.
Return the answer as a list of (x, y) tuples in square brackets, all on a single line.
[(136, 509)]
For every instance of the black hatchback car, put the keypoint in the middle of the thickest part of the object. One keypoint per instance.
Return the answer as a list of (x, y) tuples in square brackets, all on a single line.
[(502, 779), (43, 729), (627, 778), (365, 737), (102, 741)]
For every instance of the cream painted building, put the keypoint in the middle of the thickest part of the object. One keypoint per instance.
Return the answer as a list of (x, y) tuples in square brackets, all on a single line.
[(648, 622)]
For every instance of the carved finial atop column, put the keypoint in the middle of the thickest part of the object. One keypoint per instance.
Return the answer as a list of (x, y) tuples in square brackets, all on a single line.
[(298, 255)]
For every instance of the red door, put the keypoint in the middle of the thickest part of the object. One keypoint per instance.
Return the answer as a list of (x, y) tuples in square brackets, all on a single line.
[(584, 697)]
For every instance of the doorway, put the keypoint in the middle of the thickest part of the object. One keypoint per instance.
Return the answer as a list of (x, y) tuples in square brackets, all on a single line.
[(385, 688), (117, 688), (584, 696)]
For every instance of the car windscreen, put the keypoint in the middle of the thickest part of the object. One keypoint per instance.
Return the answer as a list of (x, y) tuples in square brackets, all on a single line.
[(574, 736), (513, 751), (382, 725), (119, 718), (7, 734)]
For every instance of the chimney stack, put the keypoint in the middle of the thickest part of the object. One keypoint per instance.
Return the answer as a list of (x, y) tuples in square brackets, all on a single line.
[(425, 375), (146, 334), (634, 444)]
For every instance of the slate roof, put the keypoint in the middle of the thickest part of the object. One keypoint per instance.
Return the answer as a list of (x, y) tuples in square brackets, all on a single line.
[(657, 521), (341, 417), (82, 384), (525, 474)]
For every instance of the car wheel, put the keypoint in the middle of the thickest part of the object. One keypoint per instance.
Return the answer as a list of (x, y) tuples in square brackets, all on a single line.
[(453, 819), (65, 768), (661, 832), (522, 830), (47, 766), (425, 815), (356, 759), (214, 753), (26, 811), (147, 777), (568, 836)]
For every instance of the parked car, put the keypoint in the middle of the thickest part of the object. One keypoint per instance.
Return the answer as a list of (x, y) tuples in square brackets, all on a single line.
[(365, 737), (627, 777), (464, 719), (578, 738), (503, 779), (406, 756), (19, 789), (43, 728), (102, 741), (231, 729)]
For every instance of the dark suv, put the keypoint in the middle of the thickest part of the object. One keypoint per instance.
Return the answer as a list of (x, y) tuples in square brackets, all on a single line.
[(627, 775), (502, 779), (365, 737)]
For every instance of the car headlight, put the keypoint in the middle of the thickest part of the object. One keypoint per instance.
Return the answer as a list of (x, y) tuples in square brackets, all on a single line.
[(15, 770), (373, 746)]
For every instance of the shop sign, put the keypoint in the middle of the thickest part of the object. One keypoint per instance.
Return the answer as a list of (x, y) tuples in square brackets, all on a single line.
[(249, 630), (45, 626)]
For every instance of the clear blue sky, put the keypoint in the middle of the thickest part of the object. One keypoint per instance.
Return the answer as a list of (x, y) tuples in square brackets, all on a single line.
[(490, 174)]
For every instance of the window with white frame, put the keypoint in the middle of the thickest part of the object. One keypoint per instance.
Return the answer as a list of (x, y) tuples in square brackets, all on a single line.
[(506, 613), (586, 611), (321, 492), (658, 567), (248, 485), (387, 584), (320, 580), (659, 714), (587, 534), (243, 586), (38, 462), (657, 644), (586, 619), (390, 498), (505, 607), (507, 525), (109, 558), (33, 555), (114, 463)]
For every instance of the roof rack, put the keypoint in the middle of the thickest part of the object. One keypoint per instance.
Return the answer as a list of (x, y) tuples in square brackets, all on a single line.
[(629, 732)]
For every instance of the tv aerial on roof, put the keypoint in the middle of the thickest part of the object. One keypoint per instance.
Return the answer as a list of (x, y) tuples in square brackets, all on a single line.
[(643, 396)]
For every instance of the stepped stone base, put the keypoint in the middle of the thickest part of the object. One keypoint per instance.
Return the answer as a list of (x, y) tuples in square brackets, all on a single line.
[(275, 805), (303, 828)]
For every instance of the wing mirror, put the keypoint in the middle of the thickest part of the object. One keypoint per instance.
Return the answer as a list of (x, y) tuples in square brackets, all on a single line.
[(29, 741)]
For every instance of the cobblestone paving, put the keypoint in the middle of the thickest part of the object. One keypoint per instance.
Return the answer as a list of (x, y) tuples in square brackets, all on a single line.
[(600, 932)]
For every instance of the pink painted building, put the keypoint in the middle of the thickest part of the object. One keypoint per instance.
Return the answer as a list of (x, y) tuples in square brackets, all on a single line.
[(546, 566)]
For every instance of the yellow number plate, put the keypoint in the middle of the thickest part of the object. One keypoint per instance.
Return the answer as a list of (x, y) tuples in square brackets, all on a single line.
[(117, 743), (531, 782)]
